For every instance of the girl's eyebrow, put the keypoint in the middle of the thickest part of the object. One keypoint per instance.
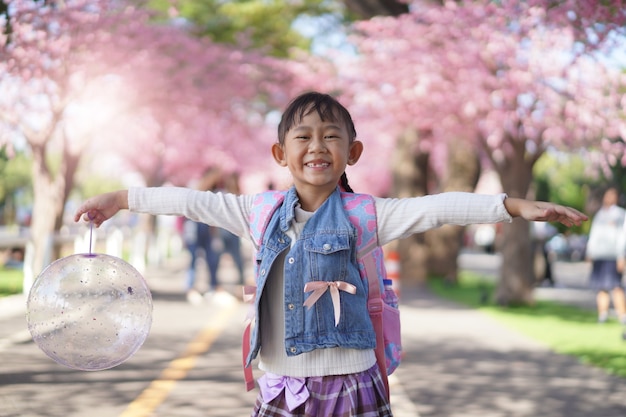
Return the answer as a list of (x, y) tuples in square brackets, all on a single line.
[(300, 127), (306, 127)]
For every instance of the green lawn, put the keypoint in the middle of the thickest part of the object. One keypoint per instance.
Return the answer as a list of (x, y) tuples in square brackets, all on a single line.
[(568, 330), (10, 281)]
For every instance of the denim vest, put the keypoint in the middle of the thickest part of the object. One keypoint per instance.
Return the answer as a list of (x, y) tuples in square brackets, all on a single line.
[(325, 251)]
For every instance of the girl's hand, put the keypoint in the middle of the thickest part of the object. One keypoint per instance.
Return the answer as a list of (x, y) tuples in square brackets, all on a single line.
[(102, 207), (544, 211)]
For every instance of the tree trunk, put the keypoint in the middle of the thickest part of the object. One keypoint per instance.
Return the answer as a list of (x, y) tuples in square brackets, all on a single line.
[(410, 174), (517, 273), (51, 191), (367, 9), (516, 282), (445, 243), (47, 207)]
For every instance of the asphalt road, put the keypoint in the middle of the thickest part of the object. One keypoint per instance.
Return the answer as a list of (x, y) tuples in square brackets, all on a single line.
[(172, 374)]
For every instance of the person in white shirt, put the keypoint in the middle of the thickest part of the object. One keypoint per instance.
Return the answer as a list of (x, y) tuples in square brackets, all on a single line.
[(606, 250)]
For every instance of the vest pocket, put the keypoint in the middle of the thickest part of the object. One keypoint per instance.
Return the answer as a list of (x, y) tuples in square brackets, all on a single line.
[(328, 255)]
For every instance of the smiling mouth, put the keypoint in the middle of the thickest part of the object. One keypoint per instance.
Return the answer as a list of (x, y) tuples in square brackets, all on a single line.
[(317, 164)]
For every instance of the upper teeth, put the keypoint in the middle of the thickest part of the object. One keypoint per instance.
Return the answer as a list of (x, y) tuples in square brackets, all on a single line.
[(318, 164)]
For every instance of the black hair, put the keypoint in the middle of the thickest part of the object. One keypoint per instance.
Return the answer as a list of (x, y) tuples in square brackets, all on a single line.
[(326, 106), (328, 109), (343, 183)]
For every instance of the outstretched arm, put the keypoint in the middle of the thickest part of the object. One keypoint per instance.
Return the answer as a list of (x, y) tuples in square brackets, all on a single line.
[(102, 207), (543, 211)]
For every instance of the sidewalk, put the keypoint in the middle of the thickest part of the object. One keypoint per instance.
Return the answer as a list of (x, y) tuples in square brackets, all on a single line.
[(461, 363)]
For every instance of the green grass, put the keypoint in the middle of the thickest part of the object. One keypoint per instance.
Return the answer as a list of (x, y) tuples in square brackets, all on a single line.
[(10, 281), (565, 329)]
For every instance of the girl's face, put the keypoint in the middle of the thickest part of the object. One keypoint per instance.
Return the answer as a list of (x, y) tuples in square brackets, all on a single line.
[(316, 153)]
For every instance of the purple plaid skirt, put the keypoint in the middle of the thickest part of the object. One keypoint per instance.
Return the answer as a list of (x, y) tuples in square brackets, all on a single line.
[(354, 395)]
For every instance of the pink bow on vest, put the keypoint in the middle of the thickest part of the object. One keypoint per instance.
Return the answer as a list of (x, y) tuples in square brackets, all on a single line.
[(320, 287), (296, 392)]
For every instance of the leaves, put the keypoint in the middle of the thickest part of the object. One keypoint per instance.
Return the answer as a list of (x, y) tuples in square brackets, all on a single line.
[(480, 72)]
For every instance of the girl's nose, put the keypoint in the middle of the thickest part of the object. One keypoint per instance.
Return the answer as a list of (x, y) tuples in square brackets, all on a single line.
[(317, 144)]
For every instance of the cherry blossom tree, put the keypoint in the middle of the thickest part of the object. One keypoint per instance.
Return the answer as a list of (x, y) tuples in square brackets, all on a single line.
[(192, 104), (510, 78), (39, 84), (84, 76)]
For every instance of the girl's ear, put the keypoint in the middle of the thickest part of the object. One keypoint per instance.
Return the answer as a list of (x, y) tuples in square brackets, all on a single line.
[(279, 154), (355, 151)]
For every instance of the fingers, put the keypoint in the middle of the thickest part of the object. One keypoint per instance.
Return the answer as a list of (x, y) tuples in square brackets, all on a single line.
[(81, 213), (565, 215), (85, 216), (90, 212), (574, 216), (94, 216), (544, 211)]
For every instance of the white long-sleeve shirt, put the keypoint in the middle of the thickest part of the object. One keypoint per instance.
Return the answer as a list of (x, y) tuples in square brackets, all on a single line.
[(607, 236), (397, 218)]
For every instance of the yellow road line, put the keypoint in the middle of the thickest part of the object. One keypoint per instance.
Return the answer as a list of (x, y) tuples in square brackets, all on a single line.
[(156, 393)]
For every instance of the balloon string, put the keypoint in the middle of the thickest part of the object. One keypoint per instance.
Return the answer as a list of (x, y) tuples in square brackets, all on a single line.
[(90, 234)]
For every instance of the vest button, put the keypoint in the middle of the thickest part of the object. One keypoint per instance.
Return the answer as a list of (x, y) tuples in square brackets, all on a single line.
[(281, 240), (293, 350), (326, 247), (262, 271), (291, 260), (291, 306)]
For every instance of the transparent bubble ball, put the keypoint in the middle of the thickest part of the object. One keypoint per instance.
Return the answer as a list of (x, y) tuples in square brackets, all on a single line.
[(89, 311)]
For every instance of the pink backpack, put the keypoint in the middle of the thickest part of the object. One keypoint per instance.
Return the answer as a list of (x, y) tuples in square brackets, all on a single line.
[(385, 317)]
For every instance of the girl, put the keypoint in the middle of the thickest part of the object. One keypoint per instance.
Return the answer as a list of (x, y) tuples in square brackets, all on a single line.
[(330, 370)]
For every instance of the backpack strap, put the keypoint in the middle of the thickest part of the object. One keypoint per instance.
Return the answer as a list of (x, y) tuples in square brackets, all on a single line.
[(375, 309), (362, 213), (263, 208)]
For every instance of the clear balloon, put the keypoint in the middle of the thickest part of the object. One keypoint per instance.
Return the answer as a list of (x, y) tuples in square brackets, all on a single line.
[(89, 311)]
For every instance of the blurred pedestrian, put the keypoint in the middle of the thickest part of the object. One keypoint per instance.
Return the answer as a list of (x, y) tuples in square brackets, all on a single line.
[(231, 243), (606, 251), (199, 239), (199, 242)]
